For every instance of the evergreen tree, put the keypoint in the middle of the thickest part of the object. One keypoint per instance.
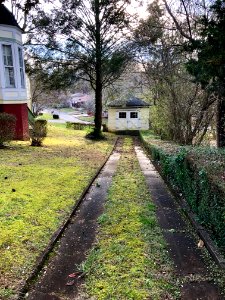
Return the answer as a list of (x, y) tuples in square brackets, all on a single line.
[(208, 67), (84, 39)]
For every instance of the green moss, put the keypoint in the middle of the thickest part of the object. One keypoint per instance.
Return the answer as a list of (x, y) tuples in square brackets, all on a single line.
[(131, 261), (6, 293)]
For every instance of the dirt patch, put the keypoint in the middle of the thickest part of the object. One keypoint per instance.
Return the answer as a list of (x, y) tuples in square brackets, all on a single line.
[(203, 290)]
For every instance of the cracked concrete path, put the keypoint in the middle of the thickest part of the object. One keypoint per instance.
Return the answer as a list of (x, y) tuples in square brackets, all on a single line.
[(77, 239), (182, 246)]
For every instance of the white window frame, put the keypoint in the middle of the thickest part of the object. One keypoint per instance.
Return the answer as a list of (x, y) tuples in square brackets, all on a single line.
[(5, 66), (21, 67)]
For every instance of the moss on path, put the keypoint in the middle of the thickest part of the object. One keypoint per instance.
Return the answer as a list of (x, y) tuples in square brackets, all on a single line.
[(129, 260)]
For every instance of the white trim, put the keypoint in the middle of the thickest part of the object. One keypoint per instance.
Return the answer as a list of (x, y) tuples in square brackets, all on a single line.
[(19, 67), (13, 66)]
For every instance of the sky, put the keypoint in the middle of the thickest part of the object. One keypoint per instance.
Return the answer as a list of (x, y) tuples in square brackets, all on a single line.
[(141, 10), (135, 7)]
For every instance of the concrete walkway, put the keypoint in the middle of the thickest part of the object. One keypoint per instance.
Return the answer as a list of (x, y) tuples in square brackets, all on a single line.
[(66, 117), (54, 282), (190, 267)]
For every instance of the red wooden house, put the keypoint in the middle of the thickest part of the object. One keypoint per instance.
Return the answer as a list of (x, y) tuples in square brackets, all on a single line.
[(13, 94)]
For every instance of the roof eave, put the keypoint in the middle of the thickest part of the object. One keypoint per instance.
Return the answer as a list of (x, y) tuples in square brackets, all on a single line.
[(146, 106)]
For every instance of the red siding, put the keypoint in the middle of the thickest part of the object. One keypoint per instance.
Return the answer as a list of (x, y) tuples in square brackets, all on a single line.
[(21, 113)]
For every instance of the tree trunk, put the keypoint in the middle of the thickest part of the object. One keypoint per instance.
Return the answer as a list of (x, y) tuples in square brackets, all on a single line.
[(98, 107), (98, 71), (221, 122)]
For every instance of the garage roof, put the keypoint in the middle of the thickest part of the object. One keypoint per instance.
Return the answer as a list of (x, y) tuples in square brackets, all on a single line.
[(130, 102)]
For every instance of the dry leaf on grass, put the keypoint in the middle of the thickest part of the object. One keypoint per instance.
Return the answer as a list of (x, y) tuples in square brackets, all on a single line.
[(201, 244)]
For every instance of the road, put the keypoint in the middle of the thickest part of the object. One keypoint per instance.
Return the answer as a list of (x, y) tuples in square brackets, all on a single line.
[(66, 117)]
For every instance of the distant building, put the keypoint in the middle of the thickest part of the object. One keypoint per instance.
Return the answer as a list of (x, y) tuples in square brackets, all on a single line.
[(13, 94), (132, 114), (78, 100)]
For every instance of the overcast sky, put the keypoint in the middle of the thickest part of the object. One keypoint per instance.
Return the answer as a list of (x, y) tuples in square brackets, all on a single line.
[(135, 6)]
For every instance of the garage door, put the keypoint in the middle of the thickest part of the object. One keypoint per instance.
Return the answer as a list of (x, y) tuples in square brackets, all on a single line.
[(127, 120)]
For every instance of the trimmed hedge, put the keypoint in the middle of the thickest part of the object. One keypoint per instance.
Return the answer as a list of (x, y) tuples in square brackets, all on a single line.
[(79, 126), (204, 196), (7, 127)]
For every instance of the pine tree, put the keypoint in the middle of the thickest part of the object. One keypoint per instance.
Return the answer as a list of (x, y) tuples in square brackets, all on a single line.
[(84, 39)]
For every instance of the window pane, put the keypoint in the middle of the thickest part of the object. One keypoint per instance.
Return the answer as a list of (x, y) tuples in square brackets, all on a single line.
[(9, 61), (22, 77), (20, 57), (133, 115), (9, 77), (122, 115), (21, 62), (8, 64), (5, 60), (7, 55)]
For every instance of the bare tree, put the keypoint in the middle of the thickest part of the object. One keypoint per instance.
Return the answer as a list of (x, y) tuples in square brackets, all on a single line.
[(200, 22), (182, 109), (23, 10)]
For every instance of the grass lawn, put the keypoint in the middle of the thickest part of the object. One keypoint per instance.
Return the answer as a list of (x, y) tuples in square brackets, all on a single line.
[(91, 119), (86, 119), (129, 260), (39, 186), (45, 116), (66, 109)]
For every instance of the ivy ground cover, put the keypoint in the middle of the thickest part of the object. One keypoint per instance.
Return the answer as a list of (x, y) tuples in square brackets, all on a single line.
[(197, 174), (38, 188)]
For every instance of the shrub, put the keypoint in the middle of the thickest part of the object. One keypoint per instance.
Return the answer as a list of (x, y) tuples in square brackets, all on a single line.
[(7, 127), (55, 116), (39, 132)]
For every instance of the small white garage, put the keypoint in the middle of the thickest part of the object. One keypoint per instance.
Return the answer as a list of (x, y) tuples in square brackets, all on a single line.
[(132, 114)]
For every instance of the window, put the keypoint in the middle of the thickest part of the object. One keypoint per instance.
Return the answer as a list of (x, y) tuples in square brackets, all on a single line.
[(133, 115), (21, 64), (122, 115), (8, 65)]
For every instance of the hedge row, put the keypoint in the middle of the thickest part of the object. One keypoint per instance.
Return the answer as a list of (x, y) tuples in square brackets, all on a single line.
[(204, 196), (79, 126)]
